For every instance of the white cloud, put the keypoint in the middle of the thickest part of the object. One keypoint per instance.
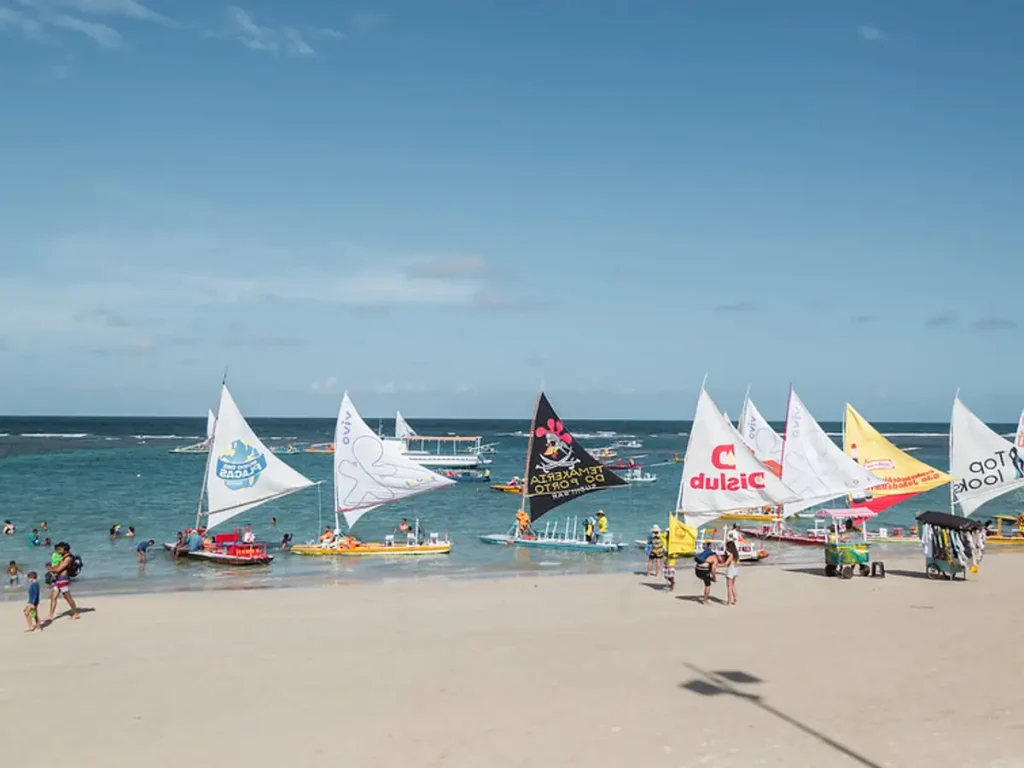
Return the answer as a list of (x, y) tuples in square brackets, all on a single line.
[(20, 22), (328, 386), (462, 388), (365, 22), (287, 41), (127, 8), (869, 33), (388, 388), (101, 34)]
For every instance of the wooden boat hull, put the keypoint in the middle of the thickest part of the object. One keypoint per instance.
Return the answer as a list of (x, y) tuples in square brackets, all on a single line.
[(222, 558), (373, 549), (788, 536), (571, 546), (1004, 541), (506, 488)]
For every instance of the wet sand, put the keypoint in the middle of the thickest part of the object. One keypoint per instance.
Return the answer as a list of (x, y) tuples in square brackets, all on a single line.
[(603, 670)]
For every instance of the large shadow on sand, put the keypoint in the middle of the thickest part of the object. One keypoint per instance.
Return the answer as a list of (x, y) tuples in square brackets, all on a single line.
[(727, 683)]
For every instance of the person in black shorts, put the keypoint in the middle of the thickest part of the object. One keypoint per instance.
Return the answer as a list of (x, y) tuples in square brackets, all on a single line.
[(706, 563)]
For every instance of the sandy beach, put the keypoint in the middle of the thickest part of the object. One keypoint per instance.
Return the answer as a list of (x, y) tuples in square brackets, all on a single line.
[(599, 670)]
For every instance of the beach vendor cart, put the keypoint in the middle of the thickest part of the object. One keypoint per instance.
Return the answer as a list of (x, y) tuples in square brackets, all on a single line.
[(846, 547), (952, 544)]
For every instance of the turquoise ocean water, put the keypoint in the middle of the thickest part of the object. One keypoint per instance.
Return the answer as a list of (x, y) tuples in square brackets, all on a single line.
[(82, 475)]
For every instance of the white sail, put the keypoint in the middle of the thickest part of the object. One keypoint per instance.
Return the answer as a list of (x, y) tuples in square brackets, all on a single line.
[(369, 471), (984, 464), (211, 421), (1018, 441), (759, 436), (720, 473), (814, 466), (402, 428), (242, 473)]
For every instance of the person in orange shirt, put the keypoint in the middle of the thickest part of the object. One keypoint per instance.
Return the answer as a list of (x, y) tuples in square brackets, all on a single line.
[(523, 523)]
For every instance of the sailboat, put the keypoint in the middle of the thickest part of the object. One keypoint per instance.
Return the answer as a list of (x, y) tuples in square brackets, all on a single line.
[(721, 473), (816, 470), (204, 446), (984, 464), (766, 444), (241, 474), (370, 472), (558, 469), (904, 476)]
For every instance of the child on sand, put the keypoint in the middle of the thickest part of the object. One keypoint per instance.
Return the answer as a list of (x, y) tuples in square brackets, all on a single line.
[(32, 607), (669, 573)]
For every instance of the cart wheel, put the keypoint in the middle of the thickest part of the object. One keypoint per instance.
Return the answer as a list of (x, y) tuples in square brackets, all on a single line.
[(933, 572), (830, 570), (847, 572), (864, 570)]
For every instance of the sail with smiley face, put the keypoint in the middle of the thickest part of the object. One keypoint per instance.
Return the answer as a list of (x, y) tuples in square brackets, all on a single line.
[(370, 471)]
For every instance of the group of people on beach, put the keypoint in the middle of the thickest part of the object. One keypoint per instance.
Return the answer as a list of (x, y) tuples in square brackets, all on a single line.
[(707, 563), (62, 568)]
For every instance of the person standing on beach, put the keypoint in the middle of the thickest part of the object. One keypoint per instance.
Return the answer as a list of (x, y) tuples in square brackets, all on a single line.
[(706, 565), (62, 580), (32, 606), (732, 570)]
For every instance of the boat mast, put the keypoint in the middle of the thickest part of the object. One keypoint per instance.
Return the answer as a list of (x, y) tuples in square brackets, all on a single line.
[(209, 453), (529, 452), (952, 494)]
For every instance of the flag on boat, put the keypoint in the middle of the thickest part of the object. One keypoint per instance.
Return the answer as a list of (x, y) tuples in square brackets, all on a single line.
[(682, 538), (903, 476), (1018, 441), (813, 465), (984, 464), (720, 473), (560, 469), (760, 438), (370, 471), (402, 428), (241, 472)]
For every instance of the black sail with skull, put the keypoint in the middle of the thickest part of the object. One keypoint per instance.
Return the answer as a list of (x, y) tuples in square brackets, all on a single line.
[(560, 469)]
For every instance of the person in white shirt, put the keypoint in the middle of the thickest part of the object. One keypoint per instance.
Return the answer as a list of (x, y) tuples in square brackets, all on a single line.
[(248, 537)]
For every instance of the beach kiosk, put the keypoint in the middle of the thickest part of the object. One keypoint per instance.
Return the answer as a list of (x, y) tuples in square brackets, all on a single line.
[(846, 547), (952, 544)]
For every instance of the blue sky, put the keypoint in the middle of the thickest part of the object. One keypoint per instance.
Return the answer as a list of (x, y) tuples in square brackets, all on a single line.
[(441, 204)]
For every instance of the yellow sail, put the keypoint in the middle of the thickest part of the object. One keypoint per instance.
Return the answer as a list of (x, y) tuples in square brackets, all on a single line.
[(904, 475), (682, 538)]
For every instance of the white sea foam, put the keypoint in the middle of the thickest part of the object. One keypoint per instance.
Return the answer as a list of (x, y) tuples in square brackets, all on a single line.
[(169, 437), (58, 435)]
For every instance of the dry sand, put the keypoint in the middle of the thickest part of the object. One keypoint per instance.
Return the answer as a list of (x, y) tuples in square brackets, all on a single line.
[(546, 671)]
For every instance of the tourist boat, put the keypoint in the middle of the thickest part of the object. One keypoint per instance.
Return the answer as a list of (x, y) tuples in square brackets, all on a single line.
[(285, 450), (625, 463), (241, 474), (555, 536), (370, 472), (448, 451), (635, 475), (508, 487), (204, 446), (895, 535), (466, 475), (777, 531), (627, 444), (1012, 536), (229, 549), (603, 454), (555, 462), (750, 551), (320, 448), (677, 458)]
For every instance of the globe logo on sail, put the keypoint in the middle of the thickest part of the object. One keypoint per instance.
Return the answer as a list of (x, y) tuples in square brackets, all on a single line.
[(240, 466)]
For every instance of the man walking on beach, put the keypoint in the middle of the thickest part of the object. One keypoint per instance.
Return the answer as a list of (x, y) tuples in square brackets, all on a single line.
[(61, 571)]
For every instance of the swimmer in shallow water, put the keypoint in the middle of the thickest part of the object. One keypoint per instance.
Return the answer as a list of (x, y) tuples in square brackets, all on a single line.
[(8, 528), (115, 531)]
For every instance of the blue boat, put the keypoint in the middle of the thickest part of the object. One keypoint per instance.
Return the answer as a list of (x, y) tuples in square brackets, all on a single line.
[(557, 537)]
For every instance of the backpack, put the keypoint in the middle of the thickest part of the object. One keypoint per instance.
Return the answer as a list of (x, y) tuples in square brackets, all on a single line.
[(76, 566), (702, 556)]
